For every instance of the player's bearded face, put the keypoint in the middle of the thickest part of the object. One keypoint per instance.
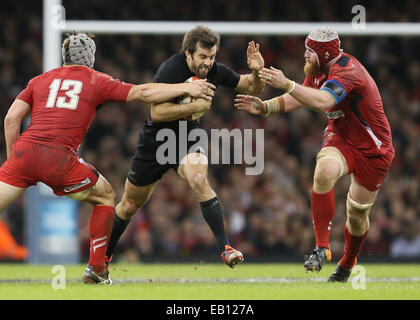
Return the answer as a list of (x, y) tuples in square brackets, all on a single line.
[(311, 67), (201, 61)]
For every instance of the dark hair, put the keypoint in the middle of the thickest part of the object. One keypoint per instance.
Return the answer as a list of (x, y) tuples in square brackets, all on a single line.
[(207, 38)]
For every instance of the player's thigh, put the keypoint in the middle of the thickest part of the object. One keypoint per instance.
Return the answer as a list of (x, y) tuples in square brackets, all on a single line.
[(8, 194), (102, 193), (360, 194)]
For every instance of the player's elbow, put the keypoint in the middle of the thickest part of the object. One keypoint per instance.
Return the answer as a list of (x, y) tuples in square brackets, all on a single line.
[(12, 120), (322, 104), (325, 101)]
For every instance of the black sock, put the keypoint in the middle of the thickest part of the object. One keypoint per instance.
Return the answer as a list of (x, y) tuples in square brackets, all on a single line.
[(212, 213), (117, 230)]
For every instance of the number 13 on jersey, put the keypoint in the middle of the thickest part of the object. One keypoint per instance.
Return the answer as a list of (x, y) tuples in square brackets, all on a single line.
[(73, 89)]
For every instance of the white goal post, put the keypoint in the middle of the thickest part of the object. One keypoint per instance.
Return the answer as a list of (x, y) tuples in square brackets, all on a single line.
[(55, 24)]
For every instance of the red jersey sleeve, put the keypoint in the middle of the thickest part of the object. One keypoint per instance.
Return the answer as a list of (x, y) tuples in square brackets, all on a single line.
[(27, 93), (346, 76), (343, 79), (111, 89)]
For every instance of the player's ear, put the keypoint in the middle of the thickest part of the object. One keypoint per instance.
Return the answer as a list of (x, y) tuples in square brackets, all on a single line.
[(188, 54)]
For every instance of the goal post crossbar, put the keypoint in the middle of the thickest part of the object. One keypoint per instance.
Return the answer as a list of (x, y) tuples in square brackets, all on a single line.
[(239, 28)]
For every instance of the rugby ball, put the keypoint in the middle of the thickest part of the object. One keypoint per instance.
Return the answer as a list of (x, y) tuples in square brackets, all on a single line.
[(187, 99)]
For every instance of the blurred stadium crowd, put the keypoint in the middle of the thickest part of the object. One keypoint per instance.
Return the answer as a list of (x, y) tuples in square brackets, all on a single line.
[(268, 215)]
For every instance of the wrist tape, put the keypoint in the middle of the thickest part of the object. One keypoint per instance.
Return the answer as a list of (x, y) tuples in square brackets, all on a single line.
[(275, 105)]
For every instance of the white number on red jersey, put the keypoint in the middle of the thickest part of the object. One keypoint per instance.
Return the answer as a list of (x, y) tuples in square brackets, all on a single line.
[(73, 89)]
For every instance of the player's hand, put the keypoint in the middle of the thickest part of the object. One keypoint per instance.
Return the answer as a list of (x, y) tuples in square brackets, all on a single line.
[(251, 104), (202, 104), (273, 77), (201, 89), (254, 58)]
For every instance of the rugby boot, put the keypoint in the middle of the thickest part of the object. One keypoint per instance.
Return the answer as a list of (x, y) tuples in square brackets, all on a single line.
[(232, 256), (91, 277), (316, 260), (340, 274)]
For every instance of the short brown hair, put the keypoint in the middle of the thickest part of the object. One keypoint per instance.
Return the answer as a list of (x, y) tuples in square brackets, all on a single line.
[(207, 38)]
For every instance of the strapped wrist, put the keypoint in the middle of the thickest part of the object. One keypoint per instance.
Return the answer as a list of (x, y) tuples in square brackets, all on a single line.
[(290, 86), (275, 105)]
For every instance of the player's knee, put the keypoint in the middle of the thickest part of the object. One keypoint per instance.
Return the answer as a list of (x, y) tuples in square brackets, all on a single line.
[(128, 207), (325, 175), (108, 196), (199, 183), (357, 213)]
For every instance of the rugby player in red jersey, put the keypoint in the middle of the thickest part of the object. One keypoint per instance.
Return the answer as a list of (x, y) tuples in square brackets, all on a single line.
[(62, 103), (357, 140)]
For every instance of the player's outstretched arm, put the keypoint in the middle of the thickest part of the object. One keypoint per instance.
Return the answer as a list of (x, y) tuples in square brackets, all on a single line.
[(169, 111), (251, 83), (315, 99), (162, 92), (256, 106), (17, 112)]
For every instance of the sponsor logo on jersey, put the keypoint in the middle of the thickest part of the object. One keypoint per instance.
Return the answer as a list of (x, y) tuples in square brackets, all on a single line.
[(77, 186), (335, 114)]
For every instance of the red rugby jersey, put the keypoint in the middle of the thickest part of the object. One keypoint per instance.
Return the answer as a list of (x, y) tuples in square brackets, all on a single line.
[(358, 117), (64, 102)]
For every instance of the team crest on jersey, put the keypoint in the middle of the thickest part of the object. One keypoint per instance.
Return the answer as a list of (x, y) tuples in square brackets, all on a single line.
[(327, 55), (335, 114)]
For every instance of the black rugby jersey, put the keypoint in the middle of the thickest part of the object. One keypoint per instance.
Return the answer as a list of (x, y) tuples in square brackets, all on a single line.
[(175, 70)]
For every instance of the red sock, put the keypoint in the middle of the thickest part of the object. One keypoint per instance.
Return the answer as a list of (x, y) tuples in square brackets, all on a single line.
[(323, 208), (353, 246), (100, 227)]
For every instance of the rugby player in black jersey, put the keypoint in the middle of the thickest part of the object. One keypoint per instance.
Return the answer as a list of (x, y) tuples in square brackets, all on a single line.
[(196, 58)]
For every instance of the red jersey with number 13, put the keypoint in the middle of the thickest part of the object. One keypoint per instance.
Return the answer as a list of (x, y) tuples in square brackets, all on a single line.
[(64, 102)]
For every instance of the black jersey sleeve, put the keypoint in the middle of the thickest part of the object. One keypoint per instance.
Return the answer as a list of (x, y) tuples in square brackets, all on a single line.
[(226, 76)]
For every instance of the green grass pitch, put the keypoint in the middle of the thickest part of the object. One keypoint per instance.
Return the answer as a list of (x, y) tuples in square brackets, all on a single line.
[(211, 282)]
